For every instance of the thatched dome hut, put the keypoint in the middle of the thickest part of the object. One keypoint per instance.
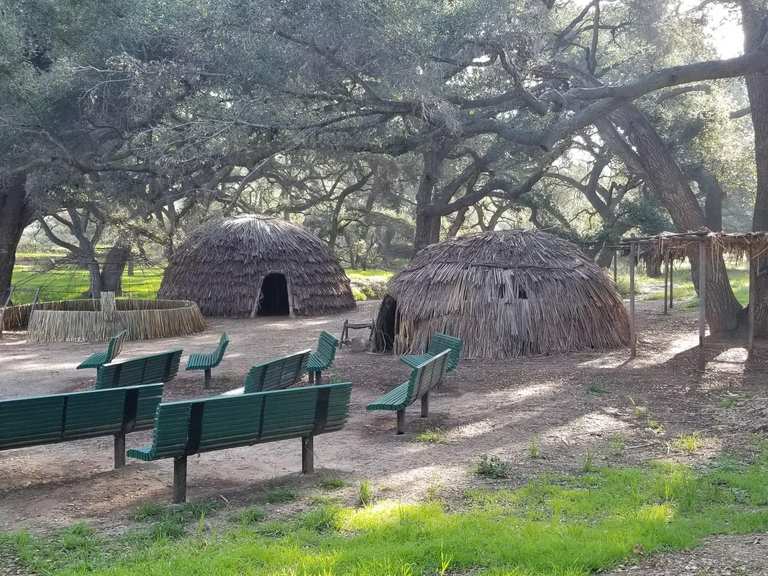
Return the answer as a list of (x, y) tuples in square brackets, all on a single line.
[(254, 265), (506, 294)]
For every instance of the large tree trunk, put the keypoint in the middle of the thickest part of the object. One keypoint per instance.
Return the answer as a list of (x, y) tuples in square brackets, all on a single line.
[(713, 197), (114, 266), (15, 214), (667, 181), (754, 15), (428, 223)]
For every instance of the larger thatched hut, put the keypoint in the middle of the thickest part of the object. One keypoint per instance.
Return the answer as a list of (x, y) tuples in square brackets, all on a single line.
[(508, 293), (254, 265)]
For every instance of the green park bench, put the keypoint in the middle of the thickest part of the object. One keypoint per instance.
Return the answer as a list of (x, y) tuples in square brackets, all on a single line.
[(278, 373), (98, 359), (208, 360), (151, 369), (438, 343), (323, 358), (423, 379), (36, 420), (194, 426)]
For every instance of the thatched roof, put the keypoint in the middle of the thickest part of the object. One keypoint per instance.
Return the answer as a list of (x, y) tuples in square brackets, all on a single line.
[(507, 293), (678, 245), (222, 264)]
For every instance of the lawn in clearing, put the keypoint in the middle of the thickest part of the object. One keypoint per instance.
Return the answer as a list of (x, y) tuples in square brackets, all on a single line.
[(561, 525)]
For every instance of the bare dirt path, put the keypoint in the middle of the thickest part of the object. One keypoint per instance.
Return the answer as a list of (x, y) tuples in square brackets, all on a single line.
[(568, 404)]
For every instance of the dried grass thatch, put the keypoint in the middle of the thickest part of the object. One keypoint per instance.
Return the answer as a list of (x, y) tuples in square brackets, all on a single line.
[(86, 321), (679, 246), (506, 294), (222, 265)]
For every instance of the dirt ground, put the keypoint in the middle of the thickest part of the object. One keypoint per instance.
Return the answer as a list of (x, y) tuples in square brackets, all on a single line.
[(569, 405)]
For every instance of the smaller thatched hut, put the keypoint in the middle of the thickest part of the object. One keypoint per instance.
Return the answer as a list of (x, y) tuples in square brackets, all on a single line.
[(255, 265), (506, 294)]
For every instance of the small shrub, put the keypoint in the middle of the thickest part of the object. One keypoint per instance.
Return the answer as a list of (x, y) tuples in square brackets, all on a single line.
[(655, 426), (321, 519), (493, 467), (596, 390), (616, 445), (637, 410), (589, 464), (433, 436), (358, 294), (534, 448), (76, 537), (689, 443), (365, 493)]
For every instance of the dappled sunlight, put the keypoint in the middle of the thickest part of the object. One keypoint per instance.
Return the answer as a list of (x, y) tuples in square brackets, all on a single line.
[(679, 345), (471, 430), (381, 514), (732, 360), (423, 476), (520, 394), (594, 423), (17, 358)]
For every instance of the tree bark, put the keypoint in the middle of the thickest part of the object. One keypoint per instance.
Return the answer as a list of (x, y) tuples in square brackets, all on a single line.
[(427, 222), (663, 175), (754, 15), (114, 266), (16, 213)]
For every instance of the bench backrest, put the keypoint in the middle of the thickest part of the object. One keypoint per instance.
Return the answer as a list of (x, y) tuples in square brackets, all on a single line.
[(161, 367), (278, 373), (326, 348), (218, 355), (440, 342), (115, 345), (194, 426), (59, 417), (427, 375)]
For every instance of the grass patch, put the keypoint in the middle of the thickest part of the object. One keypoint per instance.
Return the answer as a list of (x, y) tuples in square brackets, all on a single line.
[(689, 443), (432, 436), (563, 525), (332, 483), (493, 467), (534, 448), (67, 283), (280, 496), (365, 493)]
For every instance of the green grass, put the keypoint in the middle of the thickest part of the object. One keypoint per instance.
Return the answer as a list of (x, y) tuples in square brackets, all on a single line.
[(372, 274), (432, 436), (566, 525), (67, 283), (683, 290)]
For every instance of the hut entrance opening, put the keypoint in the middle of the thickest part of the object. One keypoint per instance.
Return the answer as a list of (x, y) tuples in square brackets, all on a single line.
[(386, 325), (273, 300)]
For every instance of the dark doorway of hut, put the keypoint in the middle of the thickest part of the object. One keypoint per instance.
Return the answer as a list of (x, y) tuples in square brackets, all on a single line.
[(386, 326), (273, 300)]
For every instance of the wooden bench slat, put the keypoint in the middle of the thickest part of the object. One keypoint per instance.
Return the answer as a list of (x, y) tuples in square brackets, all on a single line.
[(193, 426), (38, 420)]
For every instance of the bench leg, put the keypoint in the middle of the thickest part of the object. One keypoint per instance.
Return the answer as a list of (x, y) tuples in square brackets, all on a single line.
[(311, 377), (425, 405), (401, 421), (207, 378), (180, 480), (119, 450), (307, 454), (318, 377)]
